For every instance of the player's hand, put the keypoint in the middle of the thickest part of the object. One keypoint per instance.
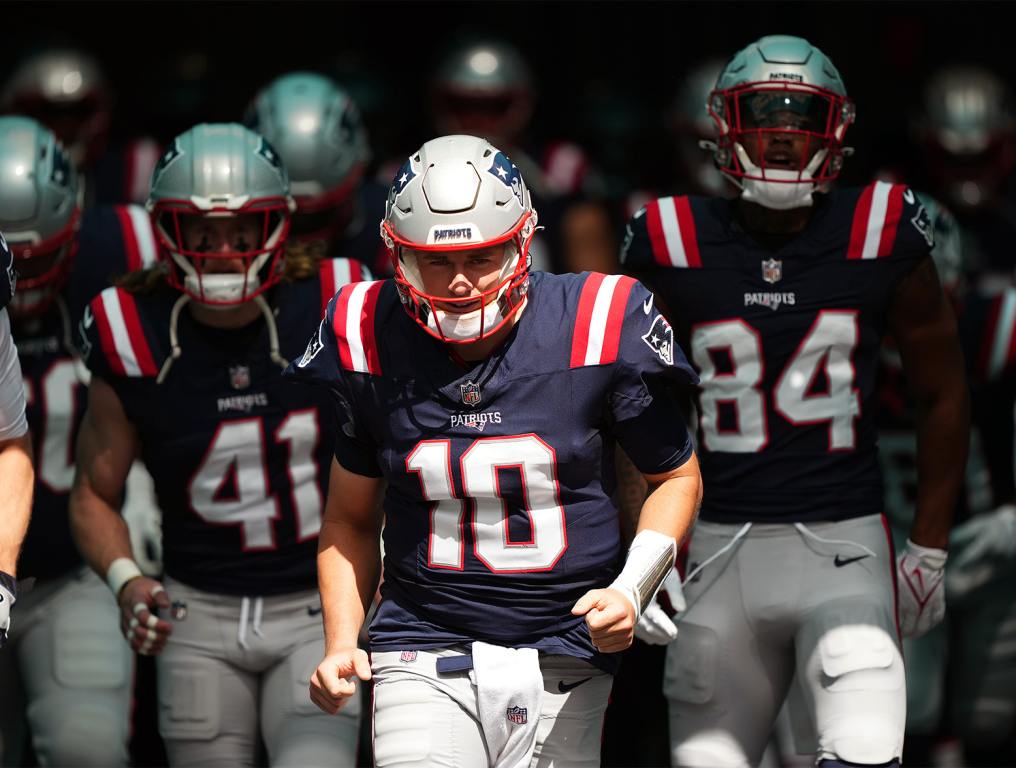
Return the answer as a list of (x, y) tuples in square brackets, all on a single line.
[(920, 572), (656, 626), (8, 596), (984, 547), (139, 601), (331, 685), (610, 617)]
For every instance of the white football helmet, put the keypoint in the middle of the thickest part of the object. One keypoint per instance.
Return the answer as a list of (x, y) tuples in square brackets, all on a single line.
[(459, 193)]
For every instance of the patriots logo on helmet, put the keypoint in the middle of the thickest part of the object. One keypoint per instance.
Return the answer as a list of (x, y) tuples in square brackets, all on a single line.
[(168, 157), (267, 151), (61, 167), (505, 171), (660, 339), (402, 178)]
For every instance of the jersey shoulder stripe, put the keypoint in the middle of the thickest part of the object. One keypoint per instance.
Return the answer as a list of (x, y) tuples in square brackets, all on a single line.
[(337, 272), (876, 219), (139, 242), (998, 348), (121, 335), (353, 324), (141, 157), (672, 234), (599, 319)]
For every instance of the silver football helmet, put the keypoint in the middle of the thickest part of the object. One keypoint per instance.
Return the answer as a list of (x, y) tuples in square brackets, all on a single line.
[(40, 210), (212, 175), (459, 193)]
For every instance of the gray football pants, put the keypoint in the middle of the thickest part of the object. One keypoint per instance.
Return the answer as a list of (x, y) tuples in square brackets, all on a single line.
[(780, 603), (69, 672), (236, 668), (424, 719)]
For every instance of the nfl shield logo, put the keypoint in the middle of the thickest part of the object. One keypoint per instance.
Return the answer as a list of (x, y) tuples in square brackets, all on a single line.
[(516, 715), (772, 270), (407, 657), (470, 393), (239, 376)]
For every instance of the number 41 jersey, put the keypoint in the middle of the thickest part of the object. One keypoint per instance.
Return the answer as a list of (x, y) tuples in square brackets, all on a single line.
[(498, 508), (785, 342)]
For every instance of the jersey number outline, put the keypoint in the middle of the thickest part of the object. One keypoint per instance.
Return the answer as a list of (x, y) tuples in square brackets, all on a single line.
[(59, 387), (536, 462), (828, 346), (237, 453)]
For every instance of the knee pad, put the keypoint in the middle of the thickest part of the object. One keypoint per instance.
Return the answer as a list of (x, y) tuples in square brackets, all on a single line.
[(691, 665), (87, 735), (189, 706), (709, 750), (862, 669)]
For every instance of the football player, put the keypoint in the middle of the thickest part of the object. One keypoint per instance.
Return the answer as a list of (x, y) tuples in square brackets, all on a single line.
[(77, 713), (16, 473), (783, 297), (66, 90), (317, 130), (490, 400), (187, 359)]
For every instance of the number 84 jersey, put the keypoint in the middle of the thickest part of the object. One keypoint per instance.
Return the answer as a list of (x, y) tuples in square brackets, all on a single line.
[(498, 506), (785, 342)]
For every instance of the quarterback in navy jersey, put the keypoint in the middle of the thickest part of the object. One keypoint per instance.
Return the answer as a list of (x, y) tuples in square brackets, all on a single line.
[(783, 297), (187, 361), (490, 401)]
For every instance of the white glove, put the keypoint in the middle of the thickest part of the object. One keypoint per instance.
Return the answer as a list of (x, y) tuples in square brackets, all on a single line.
[(920, 571), (982, 545), (8, 592), (655, 626)]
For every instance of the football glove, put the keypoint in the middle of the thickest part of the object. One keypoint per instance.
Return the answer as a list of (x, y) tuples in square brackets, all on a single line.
[(8, 595), (920, 571)]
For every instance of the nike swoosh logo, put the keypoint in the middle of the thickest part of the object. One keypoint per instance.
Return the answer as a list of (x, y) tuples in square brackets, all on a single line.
[(647, 305), (840, 562), (313, 611), (565, 687)]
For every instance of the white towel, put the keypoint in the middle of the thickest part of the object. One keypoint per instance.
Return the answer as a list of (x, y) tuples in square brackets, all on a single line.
[(509, 690)]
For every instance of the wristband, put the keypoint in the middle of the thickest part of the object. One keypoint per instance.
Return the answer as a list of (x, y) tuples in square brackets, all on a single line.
[(650, 560), (120, 571)]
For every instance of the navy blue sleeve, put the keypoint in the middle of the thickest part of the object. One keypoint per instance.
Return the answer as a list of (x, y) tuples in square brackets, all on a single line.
[(650, 369), (8, 277), (355, 449)]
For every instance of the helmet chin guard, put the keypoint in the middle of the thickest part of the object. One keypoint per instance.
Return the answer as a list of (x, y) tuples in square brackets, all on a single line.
[(459, 193)]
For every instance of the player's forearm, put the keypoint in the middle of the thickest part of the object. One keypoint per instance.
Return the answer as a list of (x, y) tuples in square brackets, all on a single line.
[(16, 480), (99, 531), (349, 566), (672, 504), (943, 439)]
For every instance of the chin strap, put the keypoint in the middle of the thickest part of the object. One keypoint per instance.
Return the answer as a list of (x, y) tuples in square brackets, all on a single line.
[(174, 341)]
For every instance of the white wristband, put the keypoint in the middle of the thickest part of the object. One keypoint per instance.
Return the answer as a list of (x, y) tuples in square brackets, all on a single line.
[(120, 571), (650, 559)]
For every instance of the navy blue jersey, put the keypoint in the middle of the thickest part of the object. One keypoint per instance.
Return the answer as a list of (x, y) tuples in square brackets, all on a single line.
[(239, 457), (786, 343), (8, 275), (498, 509), (56, 382)]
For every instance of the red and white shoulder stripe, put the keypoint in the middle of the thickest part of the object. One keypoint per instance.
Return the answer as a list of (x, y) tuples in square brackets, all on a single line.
[(565, 167), (998, 350), (121, 335), (672, 232), (600, 317), (876, 219), (353, 324), (139, 243), (336, 273), (139, 162)]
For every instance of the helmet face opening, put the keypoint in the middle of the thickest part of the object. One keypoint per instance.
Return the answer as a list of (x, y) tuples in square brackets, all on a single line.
[(222, 257), (460, 195), (43, 269), (781, 132)]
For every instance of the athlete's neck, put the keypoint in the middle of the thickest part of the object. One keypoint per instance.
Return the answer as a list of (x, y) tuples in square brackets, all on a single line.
[(234, 317), (758, 219), (478, 350)]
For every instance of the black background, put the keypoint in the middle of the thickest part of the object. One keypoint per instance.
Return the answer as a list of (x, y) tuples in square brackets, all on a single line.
[(606, 70)]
